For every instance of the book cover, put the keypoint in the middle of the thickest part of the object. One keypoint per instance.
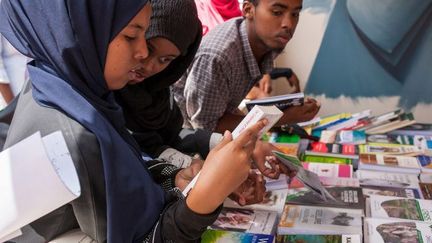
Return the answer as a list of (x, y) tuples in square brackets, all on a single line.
[(220, 236), (351, 137), (425, 162), (318, 239), (404, 119), (332, 120), (380, 162), (309, 220), (389, 179), (390, 149), (329, 182), (351, 122), (426, 177), (333, 150), (329, 170), (382, 119), (273, 201), (308, 178), (346, 197), (396, 230), (397, 207), (288, 148), (326, 159), (422, 142), (343, 137), (392, 191), (328, 136), (426, 189), (281, 101), (340, 182), (415, 129), (283, 137), (245, 220)]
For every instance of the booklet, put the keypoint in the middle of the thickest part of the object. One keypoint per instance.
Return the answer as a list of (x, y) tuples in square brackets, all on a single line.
[(308, 178), (347, 197), (37, 176), (310, 220), (281, 101)]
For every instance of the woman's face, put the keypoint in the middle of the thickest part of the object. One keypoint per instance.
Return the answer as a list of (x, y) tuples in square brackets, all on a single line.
[(127, 51), (161, 53)]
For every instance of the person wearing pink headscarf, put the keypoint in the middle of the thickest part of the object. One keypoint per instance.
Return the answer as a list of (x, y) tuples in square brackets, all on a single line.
[(214, 12)]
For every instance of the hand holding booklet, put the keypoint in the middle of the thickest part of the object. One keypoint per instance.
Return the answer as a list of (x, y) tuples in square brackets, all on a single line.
[(271, 113), (37, 176), (308, 178)]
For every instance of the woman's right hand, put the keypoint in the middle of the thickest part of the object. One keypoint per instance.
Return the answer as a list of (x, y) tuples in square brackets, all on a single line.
[(225, 169)]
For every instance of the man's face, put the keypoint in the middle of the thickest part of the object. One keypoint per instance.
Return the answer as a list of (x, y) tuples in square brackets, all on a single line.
[(274, 21)]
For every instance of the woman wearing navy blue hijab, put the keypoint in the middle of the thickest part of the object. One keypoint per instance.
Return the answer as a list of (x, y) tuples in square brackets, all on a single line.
[(82, 51)]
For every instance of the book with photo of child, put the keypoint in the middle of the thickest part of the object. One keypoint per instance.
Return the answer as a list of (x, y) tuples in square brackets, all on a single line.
[(245, 220)]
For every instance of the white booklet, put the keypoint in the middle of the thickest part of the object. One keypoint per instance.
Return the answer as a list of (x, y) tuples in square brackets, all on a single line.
[(37, 176)]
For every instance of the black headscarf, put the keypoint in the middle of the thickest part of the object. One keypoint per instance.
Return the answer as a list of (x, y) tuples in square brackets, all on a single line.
[(150, 111), (68, 40)]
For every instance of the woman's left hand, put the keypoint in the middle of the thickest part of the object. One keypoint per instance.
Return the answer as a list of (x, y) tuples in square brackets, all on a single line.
[(185, 176)]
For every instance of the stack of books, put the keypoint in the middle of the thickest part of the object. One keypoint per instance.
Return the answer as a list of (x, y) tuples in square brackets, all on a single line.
[(367, 179)]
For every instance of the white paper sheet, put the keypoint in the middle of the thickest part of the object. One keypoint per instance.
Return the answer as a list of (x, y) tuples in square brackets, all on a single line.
[(35, 179)]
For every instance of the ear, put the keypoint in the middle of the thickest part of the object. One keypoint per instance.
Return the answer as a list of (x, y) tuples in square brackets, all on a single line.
[(248, 10)]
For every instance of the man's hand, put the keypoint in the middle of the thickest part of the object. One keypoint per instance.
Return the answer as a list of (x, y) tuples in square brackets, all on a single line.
[(296, 114), (186, 175), (261, 152), (294, 82), (262, 89), (251, 191)]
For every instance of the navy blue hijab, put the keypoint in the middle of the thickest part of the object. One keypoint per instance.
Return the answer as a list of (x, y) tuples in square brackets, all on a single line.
[(68, 40)]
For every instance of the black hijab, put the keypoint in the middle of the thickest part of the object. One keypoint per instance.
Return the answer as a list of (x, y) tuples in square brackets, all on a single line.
[(149, 108)]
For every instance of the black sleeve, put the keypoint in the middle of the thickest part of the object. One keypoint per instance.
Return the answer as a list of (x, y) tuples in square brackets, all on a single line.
[(193, 141), (177, 222)]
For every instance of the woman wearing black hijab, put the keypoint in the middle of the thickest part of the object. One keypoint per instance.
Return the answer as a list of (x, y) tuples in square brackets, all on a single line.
[(151, 114), (82, 50)]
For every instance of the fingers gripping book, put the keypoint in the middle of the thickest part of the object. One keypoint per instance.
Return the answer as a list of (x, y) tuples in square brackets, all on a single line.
[(271, 113)]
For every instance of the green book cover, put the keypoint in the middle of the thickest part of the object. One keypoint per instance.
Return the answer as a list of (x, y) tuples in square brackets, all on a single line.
[(323, 159), (220, 236)]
